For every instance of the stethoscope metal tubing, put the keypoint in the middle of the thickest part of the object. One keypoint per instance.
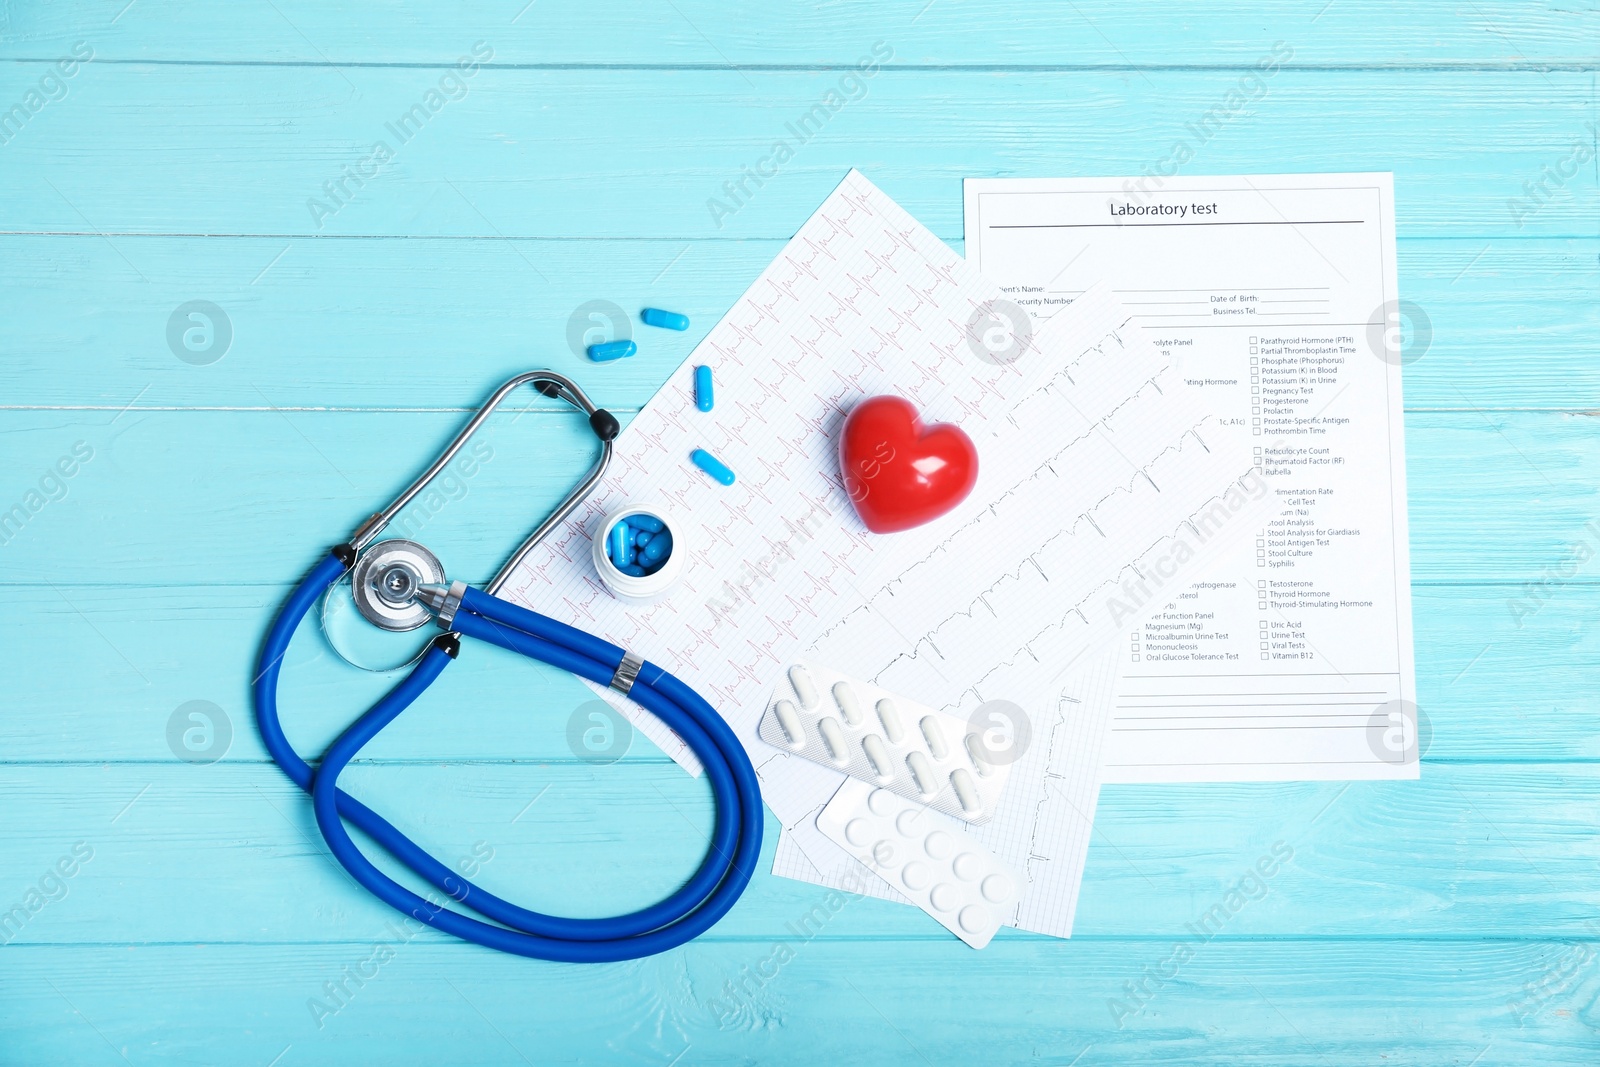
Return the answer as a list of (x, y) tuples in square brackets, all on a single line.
[(550, 384)]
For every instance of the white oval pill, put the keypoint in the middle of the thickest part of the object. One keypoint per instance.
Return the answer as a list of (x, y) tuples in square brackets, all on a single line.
[(889, 715), (833, 737), (978, 754), (857, 831), (967, 866), (966, 791), (916, 875), (996, 887), (944, 896), (975, 920), (938, 844), (935, 737), (878, 756), (922, 771), (883, 802), (845, 697), (794, 730), (800, 678), (909, 822)]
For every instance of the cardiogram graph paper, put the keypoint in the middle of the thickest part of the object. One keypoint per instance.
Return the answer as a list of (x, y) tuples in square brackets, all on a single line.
[(863, 301)]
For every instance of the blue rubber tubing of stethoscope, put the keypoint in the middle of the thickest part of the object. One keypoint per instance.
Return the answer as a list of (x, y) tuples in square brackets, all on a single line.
[(682, 916)]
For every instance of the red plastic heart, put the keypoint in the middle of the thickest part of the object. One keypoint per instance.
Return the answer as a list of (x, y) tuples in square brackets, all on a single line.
[(898, 472)]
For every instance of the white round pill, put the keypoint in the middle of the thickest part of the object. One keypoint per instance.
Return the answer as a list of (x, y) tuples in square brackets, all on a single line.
[(857, 831), (882, 802), (916, 875), (945, 896), (967, 866), (908, 822), (996, 887), (939, 844), (975, 920)]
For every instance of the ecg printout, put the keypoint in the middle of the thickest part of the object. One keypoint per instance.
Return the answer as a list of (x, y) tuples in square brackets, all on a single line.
[(1278, 294), (863, 301), (1064, 555)]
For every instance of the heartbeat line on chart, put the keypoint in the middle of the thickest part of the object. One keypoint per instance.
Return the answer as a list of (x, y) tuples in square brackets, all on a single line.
[(861, 292), (993, 511), (1061, 622), (1043, 803), (799, 602)]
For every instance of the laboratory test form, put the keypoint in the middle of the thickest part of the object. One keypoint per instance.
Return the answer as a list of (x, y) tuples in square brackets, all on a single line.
[(1278, 293)]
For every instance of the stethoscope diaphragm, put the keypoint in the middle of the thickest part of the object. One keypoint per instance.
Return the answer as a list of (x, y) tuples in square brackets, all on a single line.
[(385, 580), (368, 612)]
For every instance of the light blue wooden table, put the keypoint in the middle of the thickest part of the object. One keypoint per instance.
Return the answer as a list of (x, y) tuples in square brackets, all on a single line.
[(204, 152)]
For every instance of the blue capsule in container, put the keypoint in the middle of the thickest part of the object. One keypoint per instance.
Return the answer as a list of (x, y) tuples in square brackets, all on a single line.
[(636, 562), (621, 547), (656, 551)]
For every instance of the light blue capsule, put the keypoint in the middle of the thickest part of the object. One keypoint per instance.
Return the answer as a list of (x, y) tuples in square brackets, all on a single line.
[(632, 569), (605, 353), (712, 466), (646, 522), (641, 538), (621, 547), (704, 398), (667, 320), (657, 550)]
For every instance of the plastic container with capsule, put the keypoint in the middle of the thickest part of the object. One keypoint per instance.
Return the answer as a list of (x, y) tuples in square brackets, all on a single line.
[(659, 574)]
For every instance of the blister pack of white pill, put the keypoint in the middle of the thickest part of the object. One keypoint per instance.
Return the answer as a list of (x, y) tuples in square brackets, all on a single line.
[(943, 869), (867, 732)]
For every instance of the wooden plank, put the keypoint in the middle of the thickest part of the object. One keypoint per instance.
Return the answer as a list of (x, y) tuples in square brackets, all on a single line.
[(258, 496), (1501, 675), (356, 324), (1469, 851), (250, 150), (1022, 34), (1307, 1002)]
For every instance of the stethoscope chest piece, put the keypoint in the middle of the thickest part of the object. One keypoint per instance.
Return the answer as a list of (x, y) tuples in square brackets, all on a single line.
[(385, 581)]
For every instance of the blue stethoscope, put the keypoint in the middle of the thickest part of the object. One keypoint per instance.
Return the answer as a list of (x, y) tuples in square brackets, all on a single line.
[(399, 585)]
